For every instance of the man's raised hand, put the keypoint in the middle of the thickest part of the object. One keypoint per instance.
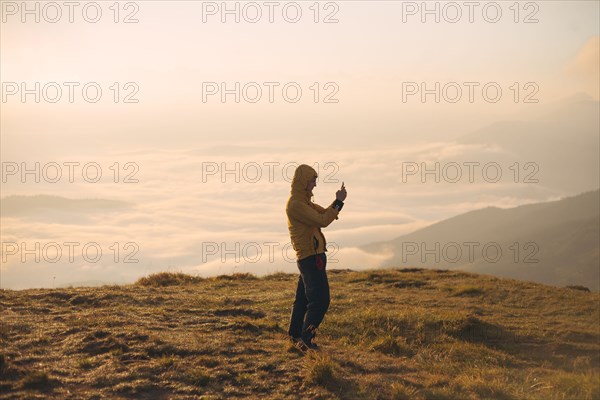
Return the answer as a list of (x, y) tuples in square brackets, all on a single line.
[(341, 194)]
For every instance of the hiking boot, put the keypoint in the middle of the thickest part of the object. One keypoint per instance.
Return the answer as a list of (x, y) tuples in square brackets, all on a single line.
[(304, 342), (303, 345), (313, 346), (308, 344), (299, 344)]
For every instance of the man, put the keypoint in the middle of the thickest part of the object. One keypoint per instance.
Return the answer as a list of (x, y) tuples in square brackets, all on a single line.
[(305, 220)]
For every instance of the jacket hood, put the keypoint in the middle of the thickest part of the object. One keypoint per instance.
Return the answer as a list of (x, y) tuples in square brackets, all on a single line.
[(304, 173)]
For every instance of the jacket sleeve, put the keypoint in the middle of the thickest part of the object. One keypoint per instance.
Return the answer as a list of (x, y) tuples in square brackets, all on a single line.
[(308, 215), (319, 208), (322, 210)]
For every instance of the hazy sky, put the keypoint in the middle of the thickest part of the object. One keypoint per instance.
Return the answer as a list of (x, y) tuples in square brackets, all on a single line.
[(366, 61)]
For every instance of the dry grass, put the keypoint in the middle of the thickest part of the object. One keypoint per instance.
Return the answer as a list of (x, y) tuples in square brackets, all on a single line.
[(168, 279), (389, 334)]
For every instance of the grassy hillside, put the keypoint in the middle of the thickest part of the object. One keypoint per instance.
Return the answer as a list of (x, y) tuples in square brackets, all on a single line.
[(389, 334)]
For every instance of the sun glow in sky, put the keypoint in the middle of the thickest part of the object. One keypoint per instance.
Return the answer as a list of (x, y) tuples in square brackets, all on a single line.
[(359, 102)]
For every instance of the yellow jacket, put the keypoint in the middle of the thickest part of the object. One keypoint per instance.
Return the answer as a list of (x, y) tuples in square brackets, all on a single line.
[(305, 218)]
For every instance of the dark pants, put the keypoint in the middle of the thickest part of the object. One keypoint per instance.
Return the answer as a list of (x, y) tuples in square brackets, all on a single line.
[(312, 297)]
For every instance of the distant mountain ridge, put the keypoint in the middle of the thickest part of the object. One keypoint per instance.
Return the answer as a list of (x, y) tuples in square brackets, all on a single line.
[(555, 243), (561, 139)]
